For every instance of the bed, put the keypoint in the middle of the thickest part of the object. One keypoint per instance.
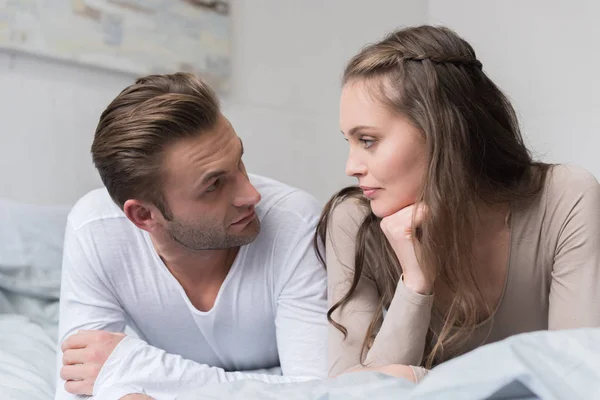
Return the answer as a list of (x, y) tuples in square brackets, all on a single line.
[(539, 365), (31, 239)]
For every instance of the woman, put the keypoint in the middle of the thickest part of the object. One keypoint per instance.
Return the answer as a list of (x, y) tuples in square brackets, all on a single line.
[(454, 233)]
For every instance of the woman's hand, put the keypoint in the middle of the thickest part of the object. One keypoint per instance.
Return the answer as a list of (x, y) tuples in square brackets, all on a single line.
[(396, 370), (399, 371), (399, 231)]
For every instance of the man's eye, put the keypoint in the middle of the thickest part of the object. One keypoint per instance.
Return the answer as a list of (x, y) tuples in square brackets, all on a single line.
[(213, 187)]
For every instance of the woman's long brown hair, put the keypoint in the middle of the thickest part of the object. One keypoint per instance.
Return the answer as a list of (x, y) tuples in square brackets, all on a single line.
[(476, 155)]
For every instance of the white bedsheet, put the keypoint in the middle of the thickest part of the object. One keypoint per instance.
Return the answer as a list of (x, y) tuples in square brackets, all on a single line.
[(541, 365), (27, 355), (31, 239)]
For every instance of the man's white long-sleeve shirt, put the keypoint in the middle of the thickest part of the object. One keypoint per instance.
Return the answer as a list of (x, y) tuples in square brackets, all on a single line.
[(270, 310)]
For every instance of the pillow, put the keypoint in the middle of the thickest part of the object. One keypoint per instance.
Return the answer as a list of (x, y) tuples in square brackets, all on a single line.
[(31, 242)]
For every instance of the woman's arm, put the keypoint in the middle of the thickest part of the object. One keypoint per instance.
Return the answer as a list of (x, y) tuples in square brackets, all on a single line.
[(575, 286), (401, 336)]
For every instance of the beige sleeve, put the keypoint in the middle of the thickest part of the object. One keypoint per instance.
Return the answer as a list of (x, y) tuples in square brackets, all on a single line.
[(401, 336), (575, 286), (419, 372)]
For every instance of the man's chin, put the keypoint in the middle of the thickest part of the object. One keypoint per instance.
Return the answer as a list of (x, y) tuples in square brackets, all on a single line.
[(248, 234)]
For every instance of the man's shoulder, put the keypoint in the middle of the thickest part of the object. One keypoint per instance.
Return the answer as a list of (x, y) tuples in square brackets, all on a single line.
[(99, 231), (288, 218), (280, 201), (96, 205)]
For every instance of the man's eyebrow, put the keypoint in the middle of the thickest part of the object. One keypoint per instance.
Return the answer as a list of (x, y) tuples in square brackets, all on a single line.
[(209, 176)]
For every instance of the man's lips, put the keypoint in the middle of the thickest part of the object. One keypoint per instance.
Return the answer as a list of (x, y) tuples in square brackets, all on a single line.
[(246, 218)]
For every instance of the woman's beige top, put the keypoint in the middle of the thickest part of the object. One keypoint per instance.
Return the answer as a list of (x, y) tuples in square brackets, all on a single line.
[(552, 282)]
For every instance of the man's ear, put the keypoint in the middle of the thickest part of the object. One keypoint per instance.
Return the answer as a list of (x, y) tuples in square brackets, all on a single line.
[(144, 215)]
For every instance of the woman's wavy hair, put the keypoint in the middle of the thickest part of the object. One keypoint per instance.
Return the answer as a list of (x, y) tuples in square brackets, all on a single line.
[(475, 155)]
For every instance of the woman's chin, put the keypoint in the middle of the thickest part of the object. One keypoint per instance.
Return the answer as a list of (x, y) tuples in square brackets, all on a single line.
[(383, 209), (380, 209)]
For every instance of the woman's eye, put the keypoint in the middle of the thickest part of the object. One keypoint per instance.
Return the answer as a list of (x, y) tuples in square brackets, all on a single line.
[(367, 143)]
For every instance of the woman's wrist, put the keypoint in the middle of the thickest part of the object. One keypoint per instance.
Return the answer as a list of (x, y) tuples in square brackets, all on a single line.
[(417, 284)]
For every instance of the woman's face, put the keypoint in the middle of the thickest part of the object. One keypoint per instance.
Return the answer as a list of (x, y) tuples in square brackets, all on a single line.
[(387, 153)]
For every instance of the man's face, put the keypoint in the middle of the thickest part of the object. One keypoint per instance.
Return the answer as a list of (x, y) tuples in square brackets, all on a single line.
[(207, 191)]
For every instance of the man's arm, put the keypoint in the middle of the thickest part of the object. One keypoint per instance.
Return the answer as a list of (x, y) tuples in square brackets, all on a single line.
[(111, 366), (86, 303), (301, 318)]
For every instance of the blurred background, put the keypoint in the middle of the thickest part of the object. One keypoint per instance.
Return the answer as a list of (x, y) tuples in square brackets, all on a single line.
[(278, 65)]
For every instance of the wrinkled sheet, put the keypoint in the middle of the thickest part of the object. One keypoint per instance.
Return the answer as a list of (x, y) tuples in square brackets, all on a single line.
[(27, 360), (561, 365), (31, 240)]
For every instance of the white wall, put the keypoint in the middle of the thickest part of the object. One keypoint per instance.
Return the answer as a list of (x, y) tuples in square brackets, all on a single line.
[(545, 55), (48, 113), (288, 56)]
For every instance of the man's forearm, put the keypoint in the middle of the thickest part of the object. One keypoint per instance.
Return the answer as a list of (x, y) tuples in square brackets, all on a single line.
[(135, 364)]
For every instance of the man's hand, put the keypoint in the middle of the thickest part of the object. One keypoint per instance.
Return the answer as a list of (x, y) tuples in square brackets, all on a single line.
[(84, 355)]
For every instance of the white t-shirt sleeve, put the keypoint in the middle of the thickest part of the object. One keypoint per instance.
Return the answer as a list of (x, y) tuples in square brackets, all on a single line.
[(134, 364), (86, 301), (301, 322)]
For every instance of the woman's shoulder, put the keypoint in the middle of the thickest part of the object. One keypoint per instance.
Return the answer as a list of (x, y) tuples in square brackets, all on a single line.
[(568, 191), (565, 175), (566, 184), (348, 213)]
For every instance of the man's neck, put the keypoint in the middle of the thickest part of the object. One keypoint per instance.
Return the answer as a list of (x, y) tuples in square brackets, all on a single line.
[(192, 268)]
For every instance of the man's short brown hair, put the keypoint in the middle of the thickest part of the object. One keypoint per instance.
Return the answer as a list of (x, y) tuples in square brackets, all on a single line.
[(140, 123)]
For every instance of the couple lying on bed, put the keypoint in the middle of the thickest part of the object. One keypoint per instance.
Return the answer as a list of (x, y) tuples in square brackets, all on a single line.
[(455, 237)]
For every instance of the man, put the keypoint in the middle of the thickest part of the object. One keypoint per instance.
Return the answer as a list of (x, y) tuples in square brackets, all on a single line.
[(212, 268)]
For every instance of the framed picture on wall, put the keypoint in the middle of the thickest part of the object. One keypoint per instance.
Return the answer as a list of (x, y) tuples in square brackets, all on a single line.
[(139, 37)]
